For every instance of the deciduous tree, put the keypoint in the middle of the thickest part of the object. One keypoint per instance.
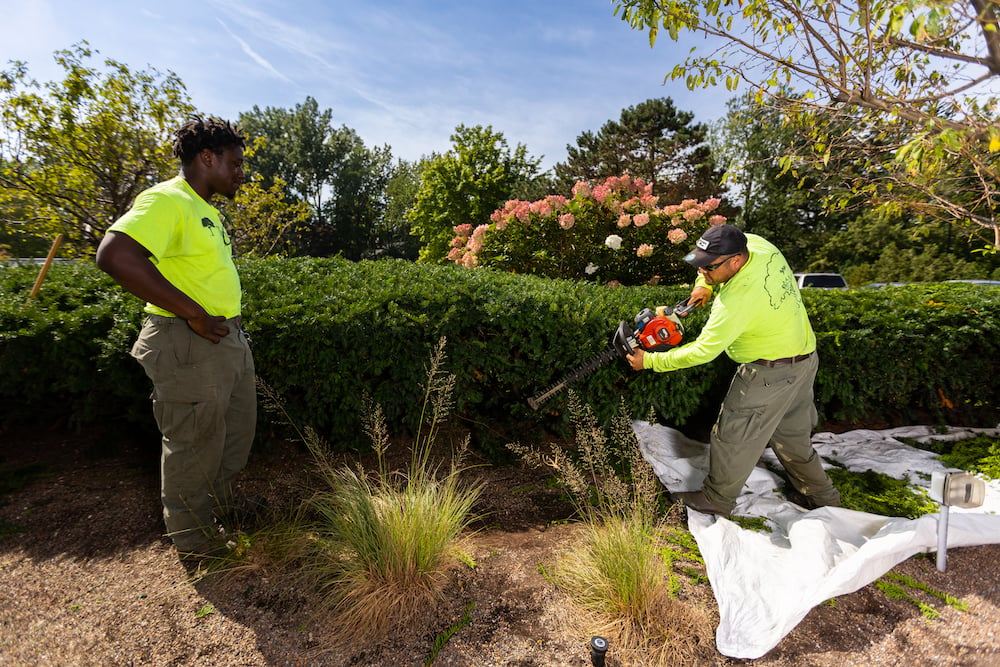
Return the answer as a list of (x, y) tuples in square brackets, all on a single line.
[(326, 166), (299, 146), (903, 91), (354, 213), (264, 221), (749, 142), (75, 153), (393, 233), (465, 185)]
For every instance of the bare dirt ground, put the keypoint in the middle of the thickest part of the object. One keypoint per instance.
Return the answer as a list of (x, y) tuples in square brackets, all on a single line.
[(86, 578)]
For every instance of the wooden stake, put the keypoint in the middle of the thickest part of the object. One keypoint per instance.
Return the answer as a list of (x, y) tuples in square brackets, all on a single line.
[(45, 266)]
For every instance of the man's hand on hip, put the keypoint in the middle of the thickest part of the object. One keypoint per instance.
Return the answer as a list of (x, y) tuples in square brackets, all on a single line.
[(209, 326)]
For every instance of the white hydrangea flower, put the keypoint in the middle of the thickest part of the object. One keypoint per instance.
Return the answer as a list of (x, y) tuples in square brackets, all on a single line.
[(614, 242), (591, 269)]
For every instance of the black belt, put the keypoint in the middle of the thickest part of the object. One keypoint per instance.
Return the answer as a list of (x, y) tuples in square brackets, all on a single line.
[(771, 363)]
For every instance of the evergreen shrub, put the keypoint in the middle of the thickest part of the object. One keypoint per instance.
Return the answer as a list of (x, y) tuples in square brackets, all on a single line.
[(325, 330)]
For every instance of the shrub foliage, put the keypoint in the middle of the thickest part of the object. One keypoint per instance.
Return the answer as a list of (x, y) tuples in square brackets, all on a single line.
[(325, 330), (612, 232)]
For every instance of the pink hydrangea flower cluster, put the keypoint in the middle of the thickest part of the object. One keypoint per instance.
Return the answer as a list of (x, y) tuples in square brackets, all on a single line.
[(620, 203), (466, 245)]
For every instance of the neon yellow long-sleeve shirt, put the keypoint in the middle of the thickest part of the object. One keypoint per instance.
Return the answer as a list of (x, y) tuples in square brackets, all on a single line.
[(756, 314)]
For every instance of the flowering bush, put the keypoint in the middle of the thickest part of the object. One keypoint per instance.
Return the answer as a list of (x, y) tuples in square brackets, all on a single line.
[(613, 232)]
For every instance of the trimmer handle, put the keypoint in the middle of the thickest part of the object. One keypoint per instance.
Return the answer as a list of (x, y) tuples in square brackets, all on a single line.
[(683, 308), (623, 340)]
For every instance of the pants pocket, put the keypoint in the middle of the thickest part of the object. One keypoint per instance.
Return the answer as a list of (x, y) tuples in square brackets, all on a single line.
[(185, 384), (739, 424), (146, 356), (186, 422)]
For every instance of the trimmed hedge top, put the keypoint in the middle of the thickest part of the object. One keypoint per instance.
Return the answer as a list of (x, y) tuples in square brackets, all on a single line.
[(324, 330)]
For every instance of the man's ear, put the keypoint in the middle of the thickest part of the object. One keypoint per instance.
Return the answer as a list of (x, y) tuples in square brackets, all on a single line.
[(207, 157)]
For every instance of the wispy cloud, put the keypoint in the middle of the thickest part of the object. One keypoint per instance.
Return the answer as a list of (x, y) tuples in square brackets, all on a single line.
[(257, 58), (398, 72), (337, 62), (308, 41)]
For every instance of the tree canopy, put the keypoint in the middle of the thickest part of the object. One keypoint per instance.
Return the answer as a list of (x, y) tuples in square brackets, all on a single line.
[(903, 92), (466, 185), (772, 202), (264, 221), (653, 141), (299, 146), (328, 167), (393, 237), (75, 153)]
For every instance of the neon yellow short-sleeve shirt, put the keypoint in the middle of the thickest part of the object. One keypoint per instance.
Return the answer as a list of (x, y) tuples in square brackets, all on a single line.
[(188, 243)]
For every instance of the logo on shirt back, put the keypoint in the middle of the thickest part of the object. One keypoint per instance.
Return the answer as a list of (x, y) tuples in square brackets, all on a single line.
[(778, 282), (208, 224)]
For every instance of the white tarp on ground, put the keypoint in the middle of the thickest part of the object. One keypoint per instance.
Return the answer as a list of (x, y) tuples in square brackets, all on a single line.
[(765, 583)]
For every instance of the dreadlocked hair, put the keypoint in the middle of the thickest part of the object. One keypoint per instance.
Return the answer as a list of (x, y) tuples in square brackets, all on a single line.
[(198, 134)]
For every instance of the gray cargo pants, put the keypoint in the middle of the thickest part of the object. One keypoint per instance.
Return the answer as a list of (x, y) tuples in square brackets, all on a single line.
[(205, 404), (768, 406)]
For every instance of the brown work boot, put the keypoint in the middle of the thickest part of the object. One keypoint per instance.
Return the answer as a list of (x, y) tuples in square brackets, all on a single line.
[(696, 500), (812, 502)]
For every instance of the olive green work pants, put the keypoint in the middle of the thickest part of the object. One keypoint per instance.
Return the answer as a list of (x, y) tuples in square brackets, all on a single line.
[(205, 404), (768, 406)]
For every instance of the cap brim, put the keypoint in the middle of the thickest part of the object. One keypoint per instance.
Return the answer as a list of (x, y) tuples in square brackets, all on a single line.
[(698, 258)]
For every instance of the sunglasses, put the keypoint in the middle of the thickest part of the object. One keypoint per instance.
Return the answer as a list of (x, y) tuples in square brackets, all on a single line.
[(713, 267)]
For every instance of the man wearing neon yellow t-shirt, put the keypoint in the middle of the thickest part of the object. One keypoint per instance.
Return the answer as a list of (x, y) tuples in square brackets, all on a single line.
[(759, 321), (172, 250)]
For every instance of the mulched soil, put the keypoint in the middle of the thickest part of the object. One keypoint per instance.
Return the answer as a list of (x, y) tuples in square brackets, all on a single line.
[(86, 578)]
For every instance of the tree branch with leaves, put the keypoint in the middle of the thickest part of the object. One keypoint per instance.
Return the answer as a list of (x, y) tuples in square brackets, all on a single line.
[(75, 153), (920, 73)]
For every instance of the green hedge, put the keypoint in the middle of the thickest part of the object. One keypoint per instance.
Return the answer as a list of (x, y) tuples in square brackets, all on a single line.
[(926, 352), (64, 354), (324, 330)]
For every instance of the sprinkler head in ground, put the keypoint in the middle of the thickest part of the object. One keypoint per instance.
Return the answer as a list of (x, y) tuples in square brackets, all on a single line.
[(598, 647)]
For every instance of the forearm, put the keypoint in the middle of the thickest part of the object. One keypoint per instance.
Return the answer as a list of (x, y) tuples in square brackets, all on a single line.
[(685, 356), (715, 337)]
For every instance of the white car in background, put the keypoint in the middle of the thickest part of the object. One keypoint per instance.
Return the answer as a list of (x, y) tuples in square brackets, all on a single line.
[(976, 282), (820, 280)]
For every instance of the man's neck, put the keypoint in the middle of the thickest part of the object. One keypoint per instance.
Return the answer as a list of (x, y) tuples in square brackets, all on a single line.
[(197, 185)]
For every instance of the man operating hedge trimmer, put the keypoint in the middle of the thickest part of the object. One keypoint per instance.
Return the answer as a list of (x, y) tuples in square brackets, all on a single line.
[(758, 319)]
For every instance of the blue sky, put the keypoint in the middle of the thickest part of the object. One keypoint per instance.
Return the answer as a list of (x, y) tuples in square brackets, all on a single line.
[(399, 72)]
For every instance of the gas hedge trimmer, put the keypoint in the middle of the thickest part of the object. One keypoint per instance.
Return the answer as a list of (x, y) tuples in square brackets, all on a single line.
[(654, 331)]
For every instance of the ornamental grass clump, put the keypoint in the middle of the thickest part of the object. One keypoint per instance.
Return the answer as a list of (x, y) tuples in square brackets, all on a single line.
[(624, 586), (384, 540), (621, 574), (605, 473), (613, 232)]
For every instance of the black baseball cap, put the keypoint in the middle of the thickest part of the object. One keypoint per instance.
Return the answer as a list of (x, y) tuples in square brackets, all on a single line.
[(717, 241)]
